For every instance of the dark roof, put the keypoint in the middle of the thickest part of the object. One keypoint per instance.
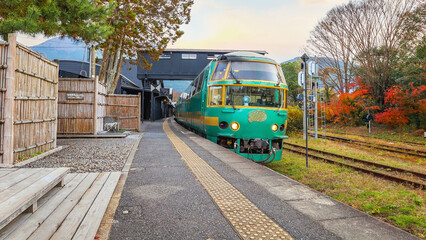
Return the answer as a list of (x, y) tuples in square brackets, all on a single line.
[(82, 69), (223, 51)]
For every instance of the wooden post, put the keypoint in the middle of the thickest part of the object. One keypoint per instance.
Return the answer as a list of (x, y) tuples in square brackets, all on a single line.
[(9, 101), (56, 107), (95, 107), (92, 62), (139, 112)]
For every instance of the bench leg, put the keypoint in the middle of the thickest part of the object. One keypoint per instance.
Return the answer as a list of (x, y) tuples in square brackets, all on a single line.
[(32, 208), (60, 184)]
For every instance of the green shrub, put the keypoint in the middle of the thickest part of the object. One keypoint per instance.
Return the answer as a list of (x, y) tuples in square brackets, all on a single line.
[(294, 120)]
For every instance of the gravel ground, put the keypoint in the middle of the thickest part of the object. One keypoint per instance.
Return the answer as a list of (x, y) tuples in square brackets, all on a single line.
[(89, 155)]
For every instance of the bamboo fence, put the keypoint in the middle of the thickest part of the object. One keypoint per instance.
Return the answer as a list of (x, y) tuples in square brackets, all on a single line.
[(81, 99), (28, 102), (126, 108)]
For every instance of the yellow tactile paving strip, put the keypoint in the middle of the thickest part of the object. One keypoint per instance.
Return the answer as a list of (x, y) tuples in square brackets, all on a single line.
[(245, 217)]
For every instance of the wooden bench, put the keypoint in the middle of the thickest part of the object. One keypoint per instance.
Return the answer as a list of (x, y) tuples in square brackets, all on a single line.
[(74, 211), (20, 189)]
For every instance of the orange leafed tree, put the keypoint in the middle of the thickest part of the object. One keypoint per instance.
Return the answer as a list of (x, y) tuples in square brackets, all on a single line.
[(404, 106)]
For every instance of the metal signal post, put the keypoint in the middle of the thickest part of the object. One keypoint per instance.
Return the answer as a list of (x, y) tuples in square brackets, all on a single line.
[(305, 59)]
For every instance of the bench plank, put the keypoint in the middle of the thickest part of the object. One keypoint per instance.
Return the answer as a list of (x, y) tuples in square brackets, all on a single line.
[(25, 184), (49, 226), (73, 220), (15, 205), (20, 220), (15, 177), (5, 171), (91, 222), (32, 223)]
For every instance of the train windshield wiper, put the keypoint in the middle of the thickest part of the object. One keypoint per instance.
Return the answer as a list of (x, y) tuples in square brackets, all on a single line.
[(279, 80), (233, 76), (231, 101)]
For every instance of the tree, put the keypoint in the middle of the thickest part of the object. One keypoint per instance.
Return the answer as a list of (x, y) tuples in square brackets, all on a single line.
[(366, 36), (325, 74), (330, 41), (404, 106), (148, 25), (81, 20), (122, 27), (291, 70)]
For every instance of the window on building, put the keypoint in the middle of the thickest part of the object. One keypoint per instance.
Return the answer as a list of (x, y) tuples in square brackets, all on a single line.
[(212, 56), (165, 56), (189, 56)]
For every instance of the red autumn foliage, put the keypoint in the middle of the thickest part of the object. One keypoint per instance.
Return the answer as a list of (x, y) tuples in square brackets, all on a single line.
[(349, 108), (403, 106)]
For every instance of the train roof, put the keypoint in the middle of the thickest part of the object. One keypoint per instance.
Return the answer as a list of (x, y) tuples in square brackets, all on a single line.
[(235, 56)]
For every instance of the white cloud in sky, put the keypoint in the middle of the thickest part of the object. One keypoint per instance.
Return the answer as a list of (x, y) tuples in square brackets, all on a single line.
[(279, 27), (30, 40)]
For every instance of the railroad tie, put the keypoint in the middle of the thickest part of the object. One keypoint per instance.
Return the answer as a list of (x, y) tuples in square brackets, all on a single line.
[(248, 220)]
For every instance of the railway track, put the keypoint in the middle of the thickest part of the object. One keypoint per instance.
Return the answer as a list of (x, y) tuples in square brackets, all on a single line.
[(416, 183), (412, 152), (358, 135)]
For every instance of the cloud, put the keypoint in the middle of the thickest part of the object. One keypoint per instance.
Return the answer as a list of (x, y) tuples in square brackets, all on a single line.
[(320, 2), (279, 27)]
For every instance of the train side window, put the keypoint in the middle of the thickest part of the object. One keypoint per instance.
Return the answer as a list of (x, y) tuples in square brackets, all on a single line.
[(191, 90), (285, 98), (215, 95), (200, 82), (220, 71)]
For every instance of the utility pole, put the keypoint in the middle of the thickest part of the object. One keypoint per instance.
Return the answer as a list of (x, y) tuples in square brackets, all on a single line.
[(305, 59)]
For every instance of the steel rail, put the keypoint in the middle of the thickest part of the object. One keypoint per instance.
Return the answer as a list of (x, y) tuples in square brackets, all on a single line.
[(365, 170), (416, 153), (396, 169), (359, 135)]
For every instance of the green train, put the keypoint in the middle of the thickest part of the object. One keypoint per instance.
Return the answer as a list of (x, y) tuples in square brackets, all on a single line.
[(239, 101)]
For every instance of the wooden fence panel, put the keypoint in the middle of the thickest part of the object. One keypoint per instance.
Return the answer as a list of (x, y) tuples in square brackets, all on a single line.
[(28, 102), (76, 116), (3, 69), (35, 95), (75, 105), (126, 108)]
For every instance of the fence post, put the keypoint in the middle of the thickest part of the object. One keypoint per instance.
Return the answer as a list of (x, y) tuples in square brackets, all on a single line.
[(95, 107), (9, 101), (56, 107), (139, 112)]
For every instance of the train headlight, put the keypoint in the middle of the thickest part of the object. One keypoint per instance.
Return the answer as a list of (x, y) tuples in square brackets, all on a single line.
[(282, 128), (274, 127), (235, 126)]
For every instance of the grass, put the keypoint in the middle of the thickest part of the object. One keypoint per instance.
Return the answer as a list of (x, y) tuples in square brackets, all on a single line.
[(380, 132), (384, 157), (25, 157), (394, 203)]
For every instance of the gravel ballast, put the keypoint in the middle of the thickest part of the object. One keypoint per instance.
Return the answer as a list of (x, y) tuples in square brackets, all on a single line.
[(89, 155)]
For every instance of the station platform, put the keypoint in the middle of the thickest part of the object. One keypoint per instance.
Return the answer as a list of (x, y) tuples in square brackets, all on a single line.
[(182, 186)]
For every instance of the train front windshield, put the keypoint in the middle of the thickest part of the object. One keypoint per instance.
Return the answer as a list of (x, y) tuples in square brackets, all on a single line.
[(254, 71), (246, 70), (254, 96)]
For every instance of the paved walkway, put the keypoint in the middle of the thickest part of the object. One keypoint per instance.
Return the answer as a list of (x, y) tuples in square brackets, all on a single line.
[(172, 196)]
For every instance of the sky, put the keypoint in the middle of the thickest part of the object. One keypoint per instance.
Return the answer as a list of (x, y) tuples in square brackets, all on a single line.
[(280, 27)]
